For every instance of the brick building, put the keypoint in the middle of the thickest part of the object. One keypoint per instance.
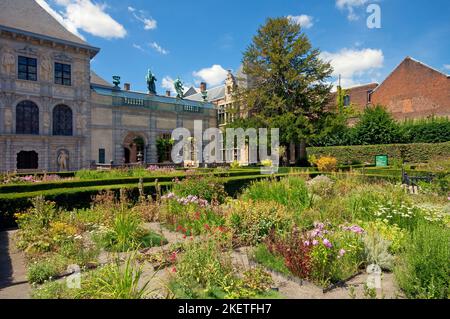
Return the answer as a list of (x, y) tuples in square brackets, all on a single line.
[(413, 90)]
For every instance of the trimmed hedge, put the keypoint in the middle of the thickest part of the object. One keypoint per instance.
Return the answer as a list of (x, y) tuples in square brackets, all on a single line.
[(34, 187), (412, 153), (74, 198)]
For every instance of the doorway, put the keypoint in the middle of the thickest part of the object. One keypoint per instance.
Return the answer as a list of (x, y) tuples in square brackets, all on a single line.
[(27, 160)]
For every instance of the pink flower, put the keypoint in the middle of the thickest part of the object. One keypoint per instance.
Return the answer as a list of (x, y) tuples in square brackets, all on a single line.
[(315, 242), (307, 243), (327, 243), (342, 252)]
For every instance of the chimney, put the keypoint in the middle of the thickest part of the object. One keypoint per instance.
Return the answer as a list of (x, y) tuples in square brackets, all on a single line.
[(168, 93), (127, 86), (202, 87)]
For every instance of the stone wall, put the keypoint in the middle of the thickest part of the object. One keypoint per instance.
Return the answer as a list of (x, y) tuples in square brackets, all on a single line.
[(46, 95)]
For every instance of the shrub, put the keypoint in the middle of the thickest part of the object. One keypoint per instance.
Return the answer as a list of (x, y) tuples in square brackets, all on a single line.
[(412, 153), (327, 164), (209, 188), (291, 192), (117, 281), (423, 269), (235, 165), (191, 215), (204, 271), (251, 222), (325, 255), (267, 163), (376, 126), (43, 270), (126, 233)]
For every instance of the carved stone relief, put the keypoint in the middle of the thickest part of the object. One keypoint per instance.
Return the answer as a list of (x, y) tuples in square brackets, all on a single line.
[(46, 68), (8, 62)]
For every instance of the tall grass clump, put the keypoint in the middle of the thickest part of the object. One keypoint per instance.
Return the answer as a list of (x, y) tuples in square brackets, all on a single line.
[(117, 281), (423, 270), (291, 192)]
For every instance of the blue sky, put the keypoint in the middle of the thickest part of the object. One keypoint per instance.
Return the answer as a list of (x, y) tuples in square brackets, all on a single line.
[(199, 40)]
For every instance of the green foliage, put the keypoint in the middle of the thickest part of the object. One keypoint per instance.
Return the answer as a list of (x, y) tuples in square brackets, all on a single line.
[(290, 81), (204, 272), (191, 217), (252, 221), (163, 146), (424, 268), (434, 130), (264, 257), (126, 233), (210, 188), (376, 126), (41, 271), (291, 192), (116, 281), (412, 153)]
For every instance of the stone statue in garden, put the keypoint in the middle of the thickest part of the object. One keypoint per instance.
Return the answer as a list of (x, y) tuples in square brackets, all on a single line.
[(63, 160), (179, 88), (151, 82)]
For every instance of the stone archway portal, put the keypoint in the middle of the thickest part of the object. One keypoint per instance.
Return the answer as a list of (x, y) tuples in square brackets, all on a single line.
[(133, 145)]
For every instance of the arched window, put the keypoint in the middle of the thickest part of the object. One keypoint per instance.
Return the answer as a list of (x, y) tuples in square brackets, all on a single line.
[(62, 121), (27, 118)]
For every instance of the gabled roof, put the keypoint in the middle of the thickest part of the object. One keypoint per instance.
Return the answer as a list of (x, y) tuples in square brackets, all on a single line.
[(408, 58), (28, 17), (97, 80), (191, 91), (214, 94)]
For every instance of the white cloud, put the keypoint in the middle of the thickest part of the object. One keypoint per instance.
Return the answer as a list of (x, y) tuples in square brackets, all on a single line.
[(350, 6), (87, 16), (138, 47), (447, 66), (167, 83), (214, 75), (65, 22), (354, 65), (303, 20), (149, 23), (158, 48)]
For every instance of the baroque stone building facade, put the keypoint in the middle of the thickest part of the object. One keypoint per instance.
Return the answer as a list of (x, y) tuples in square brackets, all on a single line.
[(55, 114)]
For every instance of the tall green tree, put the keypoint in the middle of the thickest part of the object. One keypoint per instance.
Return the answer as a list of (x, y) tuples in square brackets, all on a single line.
[(289, 88), (377, 126)]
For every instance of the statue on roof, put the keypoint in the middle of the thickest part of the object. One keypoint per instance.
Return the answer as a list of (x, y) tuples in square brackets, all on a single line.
[(151, 82), (179, 88)]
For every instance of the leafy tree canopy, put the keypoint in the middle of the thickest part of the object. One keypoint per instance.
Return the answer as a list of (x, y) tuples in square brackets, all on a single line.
[(289, 82)]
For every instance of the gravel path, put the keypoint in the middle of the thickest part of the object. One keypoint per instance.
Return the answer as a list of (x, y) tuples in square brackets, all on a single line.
[(13, 278)]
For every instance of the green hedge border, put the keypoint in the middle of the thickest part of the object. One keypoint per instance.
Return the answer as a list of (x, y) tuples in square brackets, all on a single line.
[(411, 153), (75, 198)]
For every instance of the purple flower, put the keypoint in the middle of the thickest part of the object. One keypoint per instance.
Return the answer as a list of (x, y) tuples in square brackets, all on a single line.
[(327, 243), (307, 243), (354, 229), (342, 252), (315, 242)]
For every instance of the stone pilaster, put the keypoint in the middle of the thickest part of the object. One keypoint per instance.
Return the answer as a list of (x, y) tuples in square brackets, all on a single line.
[(152, 150)]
